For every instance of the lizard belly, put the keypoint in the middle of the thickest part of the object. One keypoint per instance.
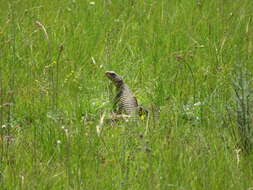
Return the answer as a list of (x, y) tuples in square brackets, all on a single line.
[(128, 104)]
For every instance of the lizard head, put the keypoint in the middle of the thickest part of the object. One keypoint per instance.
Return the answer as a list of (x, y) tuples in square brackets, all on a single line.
[(114, 77)]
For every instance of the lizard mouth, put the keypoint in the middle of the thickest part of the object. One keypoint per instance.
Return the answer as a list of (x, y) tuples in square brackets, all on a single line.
[(114, 77), (110, 74), (107, 73)]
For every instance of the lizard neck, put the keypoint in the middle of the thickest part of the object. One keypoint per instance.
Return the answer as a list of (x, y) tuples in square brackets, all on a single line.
[(119, 85)]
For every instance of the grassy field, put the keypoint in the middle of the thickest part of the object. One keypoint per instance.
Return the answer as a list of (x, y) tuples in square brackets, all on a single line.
[(181, 56)]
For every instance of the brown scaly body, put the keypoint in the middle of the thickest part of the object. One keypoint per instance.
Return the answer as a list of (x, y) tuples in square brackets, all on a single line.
[(127, 103)]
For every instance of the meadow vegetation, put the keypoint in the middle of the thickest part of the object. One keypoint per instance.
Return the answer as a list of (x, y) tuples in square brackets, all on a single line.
[(191, 59)]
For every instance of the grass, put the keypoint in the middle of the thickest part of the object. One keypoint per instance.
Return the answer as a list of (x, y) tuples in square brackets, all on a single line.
[(178, 56)]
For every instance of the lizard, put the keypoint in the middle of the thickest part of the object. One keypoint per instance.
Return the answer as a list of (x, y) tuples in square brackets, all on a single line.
[(125, 99)]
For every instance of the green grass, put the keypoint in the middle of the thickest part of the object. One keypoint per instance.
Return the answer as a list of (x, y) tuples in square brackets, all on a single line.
[(178, 55)]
